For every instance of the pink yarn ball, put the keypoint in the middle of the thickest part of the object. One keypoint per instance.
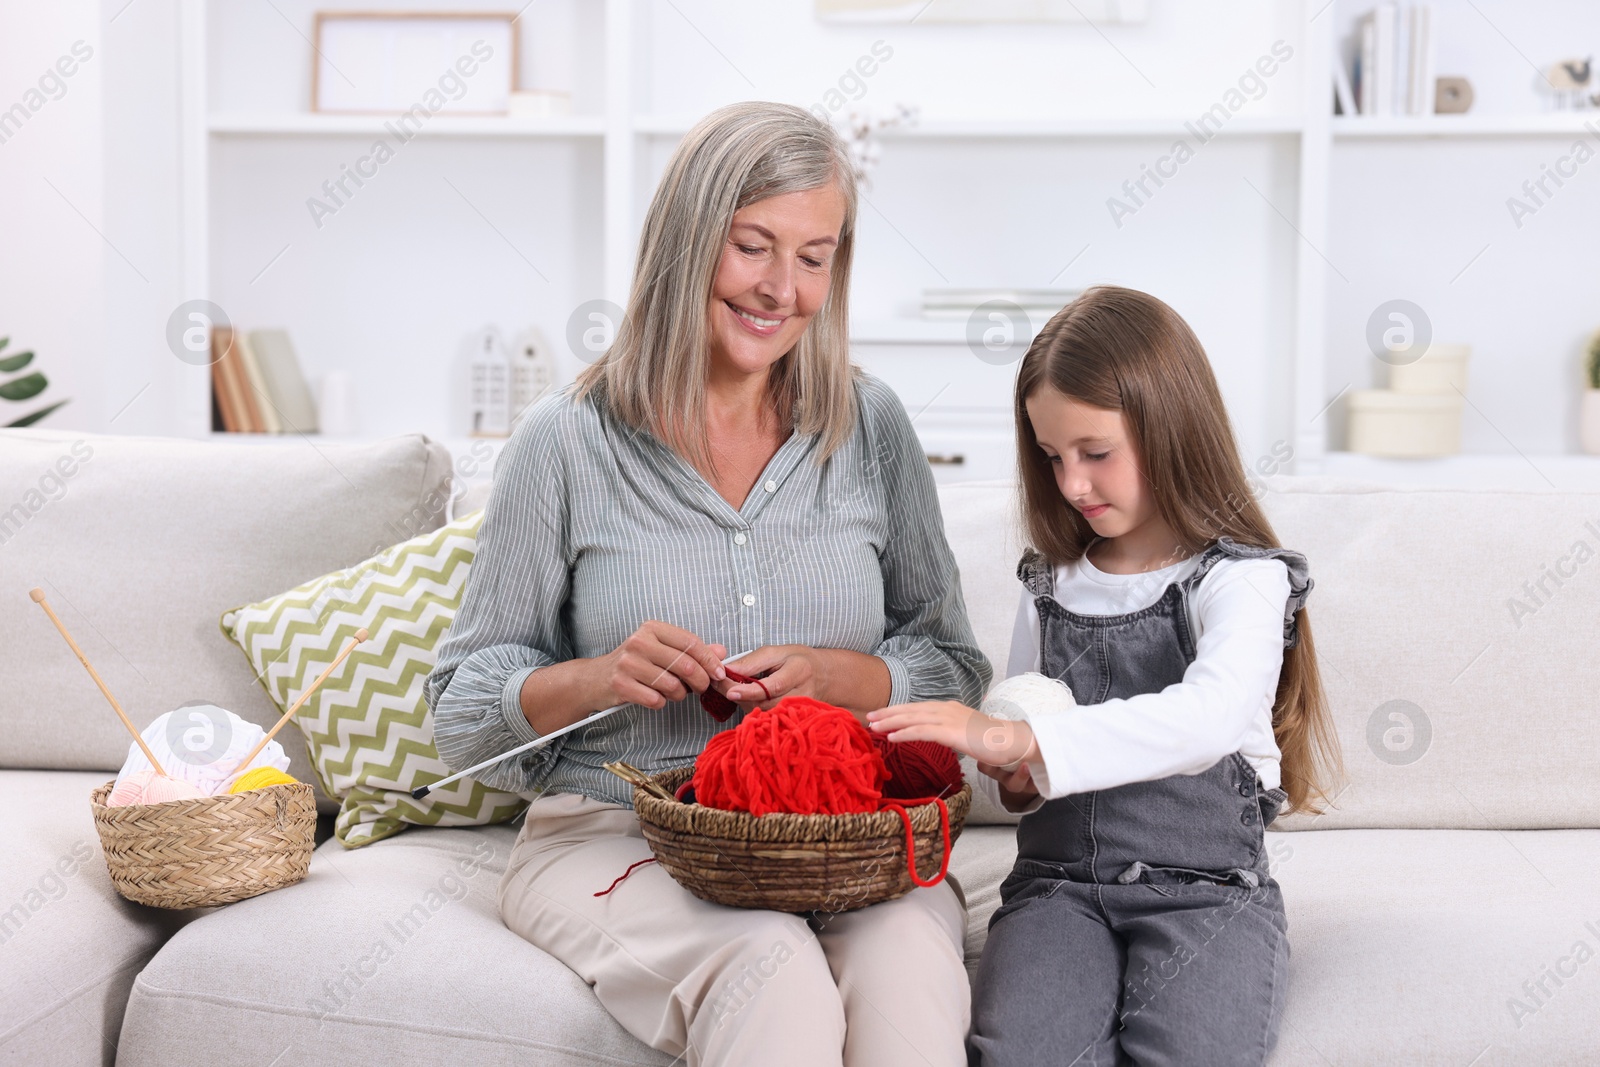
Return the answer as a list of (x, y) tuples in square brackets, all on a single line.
[(160, 790), (129, 790)]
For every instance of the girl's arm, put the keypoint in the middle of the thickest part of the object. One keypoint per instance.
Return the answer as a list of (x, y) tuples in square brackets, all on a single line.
[(1184, 729), (1190, 725)]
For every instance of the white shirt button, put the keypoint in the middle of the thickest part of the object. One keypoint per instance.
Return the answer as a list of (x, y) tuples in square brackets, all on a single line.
[(749, 599), (739, 539), (771, 487)]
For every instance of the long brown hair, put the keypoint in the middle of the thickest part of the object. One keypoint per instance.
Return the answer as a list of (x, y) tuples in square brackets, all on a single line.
[(654, 373), (1127, 351)]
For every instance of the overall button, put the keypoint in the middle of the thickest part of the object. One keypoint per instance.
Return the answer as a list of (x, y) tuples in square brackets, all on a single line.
[(739, 538), (771, 487), (1245, 817), (1244, 789), (749, 599)]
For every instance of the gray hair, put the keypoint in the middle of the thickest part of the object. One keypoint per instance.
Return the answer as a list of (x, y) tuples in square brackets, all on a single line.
[(655, 371)]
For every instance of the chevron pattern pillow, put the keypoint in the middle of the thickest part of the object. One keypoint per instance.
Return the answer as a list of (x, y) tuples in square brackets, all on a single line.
[(368, 728)]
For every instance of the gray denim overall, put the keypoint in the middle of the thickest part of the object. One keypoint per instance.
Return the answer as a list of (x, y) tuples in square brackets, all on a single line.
[(1140, 923)]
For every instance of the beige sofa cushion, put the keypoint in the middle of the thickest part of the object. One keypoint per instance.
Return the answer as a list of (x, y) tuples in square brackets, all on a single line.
[(1464, 695), (70, 945), (1412, 947), (140, 544)]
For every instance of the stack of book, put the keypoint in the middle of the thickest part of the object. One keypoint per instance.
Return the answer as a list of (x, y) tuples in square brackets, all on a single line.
[(256, 384), (1040, 304), (1393, 68)]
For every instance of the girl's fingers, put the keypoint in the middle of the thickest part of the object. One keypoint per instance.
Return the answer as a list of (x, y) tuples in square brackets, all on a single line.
[(917, 732)]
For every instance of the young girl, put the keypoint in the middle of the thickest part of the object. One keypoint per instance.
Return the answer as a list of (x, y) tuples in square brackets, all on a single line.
[(1141, 921)]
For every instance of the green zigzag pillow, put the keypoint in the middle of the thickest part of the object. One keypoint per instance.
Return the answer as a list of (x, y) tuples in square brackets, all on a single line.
[(368, 727)]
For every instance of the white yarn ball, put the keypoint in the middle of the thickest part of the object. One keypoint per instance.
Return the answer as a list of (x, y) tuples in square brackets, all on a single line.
[(1037, 693)]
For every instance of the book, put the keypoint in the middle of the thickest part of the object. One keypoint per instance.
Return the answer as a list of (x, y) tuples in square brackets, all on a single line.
[(238, 386), (1420, 95), (285, 384), (1385, 64), (260, 401), (1367, 65), (221, 383), (1344, 96)]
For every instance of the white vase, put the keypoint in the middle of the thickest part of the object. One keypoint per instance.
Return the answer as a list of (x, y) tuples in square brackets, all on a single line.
[(1589, 422)]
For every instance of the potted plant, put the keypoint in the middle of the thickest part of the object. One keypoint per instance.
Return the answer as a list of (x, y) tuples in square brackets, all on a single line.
[(24, 386), (1589, 411)]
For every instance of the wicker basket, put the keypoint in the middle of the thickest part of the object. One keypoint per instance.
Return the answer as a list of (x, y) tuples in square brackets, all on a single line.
[(793, 863), (209, 850)]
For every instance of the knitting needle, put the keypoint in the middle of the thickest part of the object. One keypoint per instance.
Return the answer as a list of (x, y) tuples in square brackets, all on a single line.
[(423, 790), (359, 636), (38, 598)]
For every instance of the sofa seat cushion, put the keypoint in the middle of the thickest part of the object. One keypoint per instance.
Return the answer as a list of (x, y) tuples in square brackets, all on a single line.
[(979, 862), (1430, 946), (394, 952), (70, 944)]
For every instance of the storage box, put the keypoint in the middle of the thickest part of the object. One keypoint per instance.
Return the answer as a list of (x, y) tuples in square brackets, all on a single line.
[(1385, 423), (1440, 367)]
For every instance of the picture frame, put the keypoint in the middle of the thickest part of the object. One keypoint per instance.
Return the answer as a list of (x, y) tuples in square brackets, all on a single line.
[(391, 62)]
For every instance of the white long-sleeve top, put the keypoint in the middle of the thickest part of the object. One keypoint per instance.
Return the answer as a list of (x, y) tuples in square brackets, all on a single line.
[(1223, 705)]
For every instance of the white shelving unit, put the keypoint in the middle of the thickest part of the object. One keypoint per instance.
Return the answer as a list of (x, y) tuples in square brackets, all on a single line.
[(970, 415), (246, 125)]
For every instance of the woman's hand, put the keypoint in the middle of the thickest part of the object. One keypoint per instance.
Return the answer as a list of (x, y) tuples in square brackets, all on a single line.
[(987, 740), (658, 662), (835, 676)]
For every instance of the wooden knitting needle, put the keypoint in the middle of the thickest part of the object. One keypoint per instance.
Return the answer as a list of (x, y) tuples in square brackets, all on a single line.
[(423, 790), (38, 598), (360, 636)]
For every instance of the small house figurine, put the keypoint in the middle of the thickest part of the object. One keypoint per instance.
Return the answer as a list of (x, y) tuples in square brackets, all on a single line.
[(1569, 81), (489, 391), (533, 371)]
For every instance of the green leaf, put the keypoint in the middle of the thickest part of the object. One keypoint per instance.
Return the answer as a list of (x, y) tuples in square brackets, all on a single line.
[(29, 385), (29, 420), (16, 362), (4, 341)]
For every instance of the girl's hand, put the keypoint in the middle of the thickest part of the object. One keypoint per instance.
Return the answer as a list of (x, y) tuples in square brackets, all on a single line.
[(968, 731), (1013, 779), (797, 670), (1017, 787)]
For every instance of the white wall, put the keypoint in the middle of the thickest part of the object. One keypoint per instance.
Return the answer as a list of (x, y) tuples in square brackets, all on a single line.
[(388, 287), (52, 261)]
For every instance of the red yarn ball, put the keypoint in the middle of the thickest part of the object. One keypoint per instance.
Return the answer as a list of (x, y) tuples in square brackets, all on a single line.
[(919, 769), (800, 756)]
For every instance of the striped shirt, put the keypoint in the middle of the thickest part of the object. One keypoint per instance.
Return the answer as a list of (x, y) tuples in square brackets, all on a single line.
[(593, 527)]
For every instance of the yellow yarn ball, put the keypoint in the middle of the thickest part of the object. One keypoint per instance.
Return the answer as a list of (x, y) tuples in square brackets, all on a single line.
[(260, 778)]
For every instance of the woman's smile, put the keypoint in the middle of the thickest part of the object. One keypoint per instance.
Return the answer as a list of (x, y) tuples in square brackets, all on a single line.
[(761, 326)]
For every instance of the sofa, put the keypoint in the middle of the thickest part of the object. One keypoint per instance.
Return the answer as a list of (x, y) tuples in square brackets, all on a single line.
[(1445, 911)]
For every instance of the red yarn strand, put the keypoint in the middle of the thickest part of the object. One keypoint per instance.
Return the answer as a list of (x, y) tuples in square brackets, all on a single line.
[(652, 859)]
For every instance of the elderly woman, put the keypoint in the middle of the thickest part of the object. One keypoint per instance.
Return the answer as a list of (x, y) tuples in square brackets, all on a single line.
[(723, 479)]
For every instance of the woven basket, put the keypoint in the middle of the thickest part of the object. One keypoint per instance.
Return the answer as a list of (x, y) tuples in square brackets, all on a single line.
[(209, 850), (793, 863)]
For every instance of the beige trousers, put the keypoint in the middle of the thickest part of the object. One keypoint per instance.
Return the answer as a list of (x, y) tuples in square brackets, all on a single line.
[(880, 986)]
